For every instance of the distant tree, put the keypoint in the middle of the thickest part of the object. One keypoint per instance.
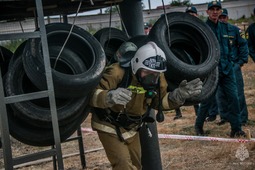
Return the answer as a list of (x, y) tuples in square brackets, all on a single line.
[(180, 3), (113, 9), (12, 45)]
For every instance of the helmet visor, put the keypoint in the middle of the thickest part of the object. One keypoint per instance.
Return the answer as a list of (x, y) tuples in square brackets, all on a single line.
[(148, 79), (155, 63)]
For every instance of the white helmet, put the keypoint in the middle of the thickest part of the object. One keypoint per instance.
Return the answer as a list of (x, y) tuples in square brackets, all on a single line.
[(149, 57)]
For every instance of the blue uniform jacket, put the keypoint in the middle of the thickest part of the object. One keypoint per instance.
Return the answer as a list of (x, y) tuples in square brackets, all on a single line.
[(251, 40), (220, 30), (238, 45)]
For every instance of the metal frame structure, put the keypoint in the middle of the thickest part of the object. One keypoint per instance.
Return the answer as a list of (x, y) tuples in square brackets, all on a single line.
[(134, 27), (56, 151)]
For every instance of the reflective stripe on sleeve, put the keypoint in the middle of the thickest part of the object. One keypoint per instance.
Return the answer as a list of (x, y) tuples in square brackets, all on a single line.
[(95, 97), (165, 102)]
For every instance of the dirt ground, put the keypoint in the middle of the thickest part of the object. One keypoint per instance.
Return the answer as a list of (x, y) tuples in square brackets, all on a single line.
[(175, 154)]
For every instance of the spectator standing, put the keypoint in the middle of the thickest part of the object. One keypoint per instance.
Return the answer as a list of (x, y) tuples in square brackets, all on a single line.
[(192, 11), (178, 114), (227, 81), (240, 51), (251, 39)]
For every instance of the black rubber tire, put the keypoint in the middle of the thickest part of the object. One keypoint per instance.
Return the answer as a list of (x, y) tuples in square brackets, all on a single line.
[(5, 57), (196, 38), (83, 44), (37, 112), (209, 83), (36, 136), (110, 38), (139, 40)]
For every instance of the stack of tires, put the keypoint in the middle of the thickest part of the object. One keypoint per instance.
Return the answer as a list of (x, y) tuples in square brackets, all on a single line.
[(77, 65), (76, 71)]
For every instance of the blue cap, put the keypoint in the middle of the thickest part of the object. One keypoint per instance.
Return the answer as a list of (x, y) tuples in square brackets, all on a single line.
[(224, 12), (191, 9), (214, 4)]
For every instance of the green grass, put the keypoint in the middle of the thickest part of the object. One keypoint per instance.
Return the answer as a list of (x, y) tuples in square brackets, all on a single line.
[(12, 45)]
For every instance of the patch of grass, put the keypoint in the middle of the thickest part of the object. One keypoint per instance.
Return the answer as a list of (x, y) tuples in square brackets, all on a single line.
[(12, 45)]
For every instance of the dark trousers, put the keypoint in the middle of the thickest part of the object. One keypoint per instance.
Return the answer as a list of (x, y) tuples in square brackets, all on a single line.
[(203, 110), (242, 102), (227, 85), (213, 110)]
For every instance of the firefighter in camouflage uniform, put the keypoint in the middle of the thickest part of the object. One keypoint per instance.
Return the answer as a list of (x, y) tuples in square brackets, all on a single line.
[(120, 110)]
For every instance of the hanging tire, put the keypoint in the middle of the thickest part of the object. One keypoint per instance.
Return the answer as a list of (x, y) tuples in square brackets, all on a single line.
[(110, 38), (83, 45), (192, 35), (37, 112), (139, 40)]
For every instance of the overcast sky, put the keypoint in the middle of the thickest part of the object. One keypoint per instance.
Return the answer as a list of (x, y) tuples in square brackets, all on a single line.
[(155, 3)]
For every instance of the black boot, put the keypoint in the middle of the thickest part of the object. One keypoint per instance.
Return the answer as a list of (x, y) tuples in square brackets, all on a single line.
[(221, 122), (199, 131), (237, 134), (210, 118), (178, 113)]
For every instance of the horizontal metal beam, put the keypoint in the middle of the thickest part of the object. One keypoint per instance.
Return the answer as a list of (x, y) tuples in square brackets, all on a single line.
[(25, 97), (34, 156), (16, 36)]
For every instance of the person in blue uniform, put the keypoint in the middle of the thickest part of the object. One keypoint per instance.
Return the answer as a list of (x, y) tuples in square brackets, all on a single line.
[(251, 38), (239, 57), (192, 11), (227, 80)]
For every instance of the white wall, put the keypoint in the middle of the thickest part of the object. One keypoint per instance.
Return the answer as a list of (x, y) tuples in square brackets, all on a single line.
[(236, 9)]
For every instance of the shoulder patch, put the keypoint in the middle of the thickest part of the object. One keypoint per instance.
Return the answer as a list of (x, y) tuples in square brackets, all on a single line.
[(242, 35), (246, 35)]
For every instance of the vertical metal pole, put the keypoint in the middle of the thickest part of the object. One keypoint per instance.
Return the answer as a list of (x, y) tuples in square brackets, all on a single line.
[(132, 17), (54, 160), (81, 148), (50, 84), (149, 3), (133, 20), (6, 144), (65, 20)]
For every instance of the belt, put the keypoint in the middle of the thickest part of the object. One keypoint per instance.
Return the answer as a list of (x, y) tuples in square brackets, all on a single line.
[(104, 128)]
